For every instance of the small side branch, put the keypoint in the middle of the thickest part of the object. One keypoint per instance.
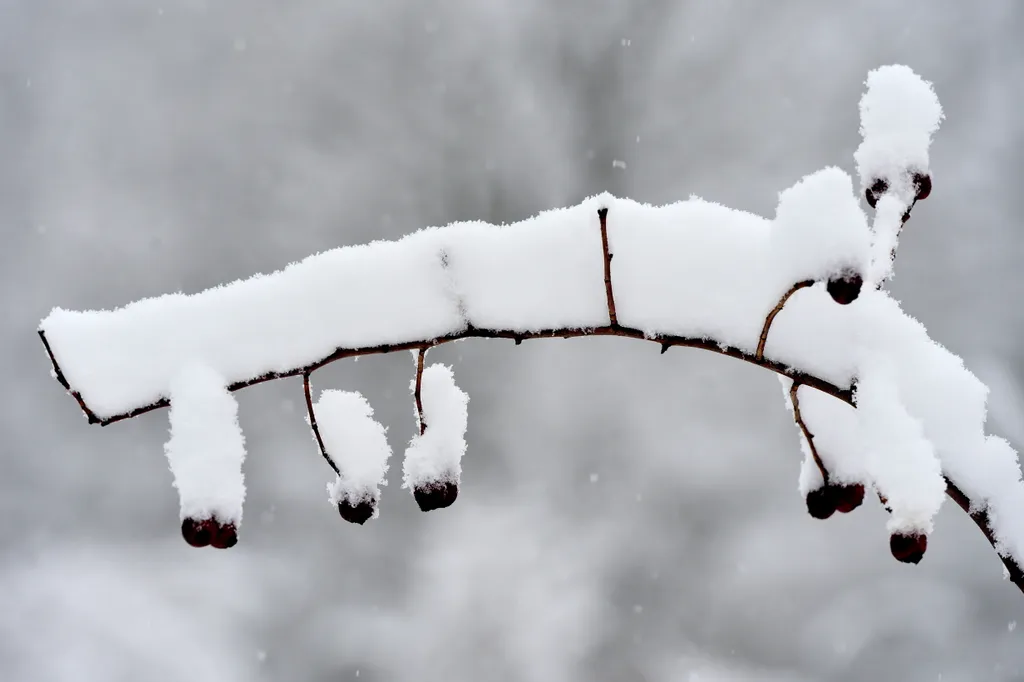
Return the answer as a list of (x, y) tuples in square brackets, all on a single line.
[(602, 214), (759, 354), (417, 392), (794, 398), (312, 423)]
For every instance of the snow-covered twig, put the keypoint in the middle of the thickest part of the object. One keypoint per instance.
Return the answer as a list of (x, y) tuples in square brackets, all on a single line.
[(691, 274)]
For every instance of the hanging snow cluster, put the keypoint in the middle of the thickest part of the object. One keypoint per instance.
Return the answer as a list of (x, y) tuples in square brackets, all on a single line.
[(358, 445), (800, 294)]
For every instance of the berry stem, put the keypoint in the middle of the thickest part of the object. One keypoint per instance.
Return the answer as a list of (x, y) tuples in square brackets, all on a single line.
[(312, 423), (794, 398), (417, 392)]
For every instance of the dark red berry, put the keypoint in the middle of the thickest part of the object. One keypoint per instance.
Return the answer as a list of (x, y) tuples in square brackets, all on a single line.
[(922, 185), (197, 532), (436, 495), (225, 535), (848, 497), (909, 549), (360, 513), (846, 288), (821, 503), (877, 189)]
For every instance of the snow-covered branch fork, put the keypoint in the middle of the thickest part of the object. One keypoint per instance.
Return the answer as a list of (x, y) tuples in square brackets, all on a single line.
[(801, 294)]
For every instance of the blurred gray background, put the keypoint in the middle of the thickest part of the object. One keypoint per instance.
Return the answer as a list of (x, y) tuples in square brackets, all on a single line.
[(624, 516)]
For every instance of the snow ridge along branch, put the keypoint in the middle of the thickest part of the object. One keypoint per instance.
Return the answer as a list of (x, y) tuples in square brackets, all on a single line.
[(801, 294)]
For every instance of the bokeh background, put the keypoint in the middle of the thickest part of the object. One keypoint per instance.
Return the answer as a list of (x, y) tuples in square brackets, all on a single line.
[(624, 516)]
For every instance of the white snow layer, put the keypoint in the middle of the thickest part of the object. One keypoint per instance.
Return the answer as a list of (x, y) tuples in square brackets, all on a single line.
[(356, 442), (900, 460), (899, 112), (206, 448), (436, 454), (692, 269)]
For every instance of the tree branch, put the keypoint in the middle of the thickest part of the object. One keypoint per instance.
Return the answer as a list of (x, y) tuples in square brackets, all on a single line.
[(980, 518), (842, 393)]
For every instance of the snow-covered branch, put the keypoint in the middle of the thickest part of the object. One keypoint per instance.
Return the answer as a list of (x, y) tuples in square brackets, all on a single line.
[(800, 294)]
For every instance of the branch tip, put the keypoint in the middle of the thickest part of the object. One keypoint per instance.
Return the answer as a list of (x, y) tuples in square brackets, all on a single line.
[(602, 214)]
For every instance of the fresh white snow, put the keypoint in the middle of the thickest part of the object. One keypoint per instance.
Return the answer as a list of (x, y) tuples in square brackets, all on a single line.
[(436, 455), (901, 462), (899, 113), (206, 447), (356, 442)]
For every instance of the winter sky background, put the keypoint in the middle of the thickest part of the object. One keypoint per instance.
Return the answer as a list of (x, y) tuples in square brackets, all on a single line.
[(624, 516)]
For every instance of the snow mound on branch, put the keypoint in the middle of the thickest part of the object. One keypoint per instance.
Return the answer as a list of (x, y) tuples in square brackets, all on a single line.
[(542, 273), (819, 230), (436, 454), (206, 447), (899, 112), (697, 269), (356, 442), (692, 269), (351, 297), (900, 460)]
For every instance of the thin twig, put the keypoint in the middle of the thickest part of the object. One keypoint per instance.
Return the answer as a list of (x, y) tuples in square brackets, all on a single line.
[(794, 398), (602, 214), (417, 392), (775, 311), (312, 423)]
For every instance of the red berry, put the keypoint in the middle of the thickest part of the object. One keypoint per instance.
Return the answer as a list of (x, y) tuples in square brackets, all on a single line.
[(877, 189), (360, 513), (848, 497), (922, 185), (197, 532), (225, 535), (436, 495), (909, 549), (846, 288), (821, 503)]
